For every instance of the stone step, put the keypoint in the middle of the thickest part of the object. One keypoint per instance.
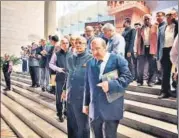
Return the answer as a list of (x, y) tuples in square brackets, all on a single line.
[(6, 131), (18, 126), (150, 99), (150, 127), (156, 112), (132, 87), (135, 96), (50, 114), (36, 123)]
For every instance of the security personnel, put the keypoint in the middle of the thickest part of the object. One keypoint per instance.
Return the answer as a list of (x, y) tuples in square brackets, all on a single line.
[(7, 69), (58, 64), (77, 122)]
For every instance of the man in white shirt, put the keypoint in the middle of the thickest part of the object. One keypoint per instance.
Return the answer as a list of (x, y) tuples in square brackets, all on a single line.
[(169, 36)]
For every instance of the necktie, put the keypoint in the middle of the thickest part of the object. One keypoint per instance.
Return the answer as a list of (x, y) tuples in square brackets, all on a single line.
[(98, 64)]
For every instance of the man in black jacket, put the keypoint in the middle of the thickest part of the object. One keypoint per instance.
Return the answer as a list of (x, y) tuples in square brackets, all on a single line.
[(7, 69), (129, 36)]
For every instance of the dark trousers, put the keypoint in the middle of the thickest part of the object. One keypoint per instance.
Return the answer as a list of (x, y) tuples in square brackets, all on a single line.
[(104, 128), (131, 65), (77, 122), (24, 65), (142, 59), (135, 68), (52, 89), (59, 103), (166, 66), (159, 72), (7, 77), (34, 73)]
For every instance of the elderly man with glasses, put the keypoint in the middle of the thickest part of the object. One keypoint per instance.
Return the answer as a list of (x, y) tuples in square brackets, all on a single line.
[(58, 64), (77, 122)]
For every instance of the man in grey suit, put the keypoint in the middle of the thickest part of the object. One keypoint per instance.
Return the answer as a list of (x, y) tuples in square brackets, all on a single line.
[(116, 42), (104, 114), (34, 66)]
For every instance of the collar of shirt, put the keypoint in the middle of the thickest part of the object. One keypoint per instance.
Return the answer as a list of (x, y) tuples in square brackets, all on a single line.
[(127, 28), (161, 24), (110, 39), (103, 64)]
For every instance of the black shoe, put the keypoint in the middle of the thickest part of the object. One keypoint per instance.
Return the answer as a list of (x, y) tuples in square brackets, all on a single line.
[(32, 86), (139, 84), (61, 119), (163, 95), (150, 84), (43, 89), (37, 86), (6, 89), (158, 83)]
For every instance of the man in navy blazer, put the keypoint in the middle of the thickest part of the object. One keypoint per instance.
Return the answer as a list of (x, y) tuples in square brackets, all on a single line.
[(104, 116)]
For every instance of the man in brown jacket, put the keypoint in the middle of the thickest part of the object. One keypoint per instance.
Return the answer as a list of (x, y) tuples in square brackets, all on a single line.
[(145, 47)]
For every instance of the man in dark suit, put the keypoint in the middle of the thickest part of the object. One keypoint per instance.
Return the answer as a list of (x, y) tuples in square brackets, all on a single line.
[(104, 116), (129, 36), (34, 66), (44, 71)]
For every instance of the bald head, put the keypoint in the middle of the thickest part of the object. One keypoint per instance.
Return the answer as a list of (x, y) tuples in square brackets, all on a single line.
[(89, 28), (89, 31), (98, 48), (99, 41), (147, 19)]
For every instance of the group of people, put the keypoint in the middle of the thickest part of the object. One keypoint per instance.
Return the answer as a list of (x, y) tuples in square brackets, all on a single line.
[(93, 70)]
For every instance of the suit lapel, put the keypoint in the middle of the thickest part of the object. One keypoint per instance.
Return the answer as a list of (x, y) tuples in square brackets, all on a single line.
[(108, 65)]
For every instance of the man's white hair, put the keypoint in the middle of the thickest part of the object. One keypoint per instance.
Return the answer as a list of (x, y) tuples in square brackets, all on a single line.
[(109, 26)]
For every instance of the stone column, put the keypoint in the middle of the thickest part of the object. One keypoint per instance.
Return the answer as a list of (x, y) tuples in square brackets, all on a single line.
[(50, 18)]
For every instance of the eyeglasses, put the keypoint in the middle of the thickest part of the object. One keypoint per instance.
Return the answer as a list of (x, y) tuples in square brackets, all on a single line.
[(146, 19), (79, 43), (65, 43)]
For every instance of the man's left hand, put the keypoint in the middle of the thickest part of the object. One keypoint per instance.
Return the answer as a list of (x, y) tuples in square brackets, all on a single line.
[(104, 85), (129, 54)]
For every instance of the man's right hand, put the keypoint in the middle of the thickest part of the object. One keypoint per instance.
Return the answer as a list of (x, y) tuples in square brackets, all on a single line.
[(86, 110), (63, 96), (135, 55)]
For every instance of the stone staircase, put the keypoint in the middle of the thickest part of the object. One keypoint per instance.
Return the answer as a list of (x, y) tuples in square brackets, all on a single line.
[(145, 116)]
